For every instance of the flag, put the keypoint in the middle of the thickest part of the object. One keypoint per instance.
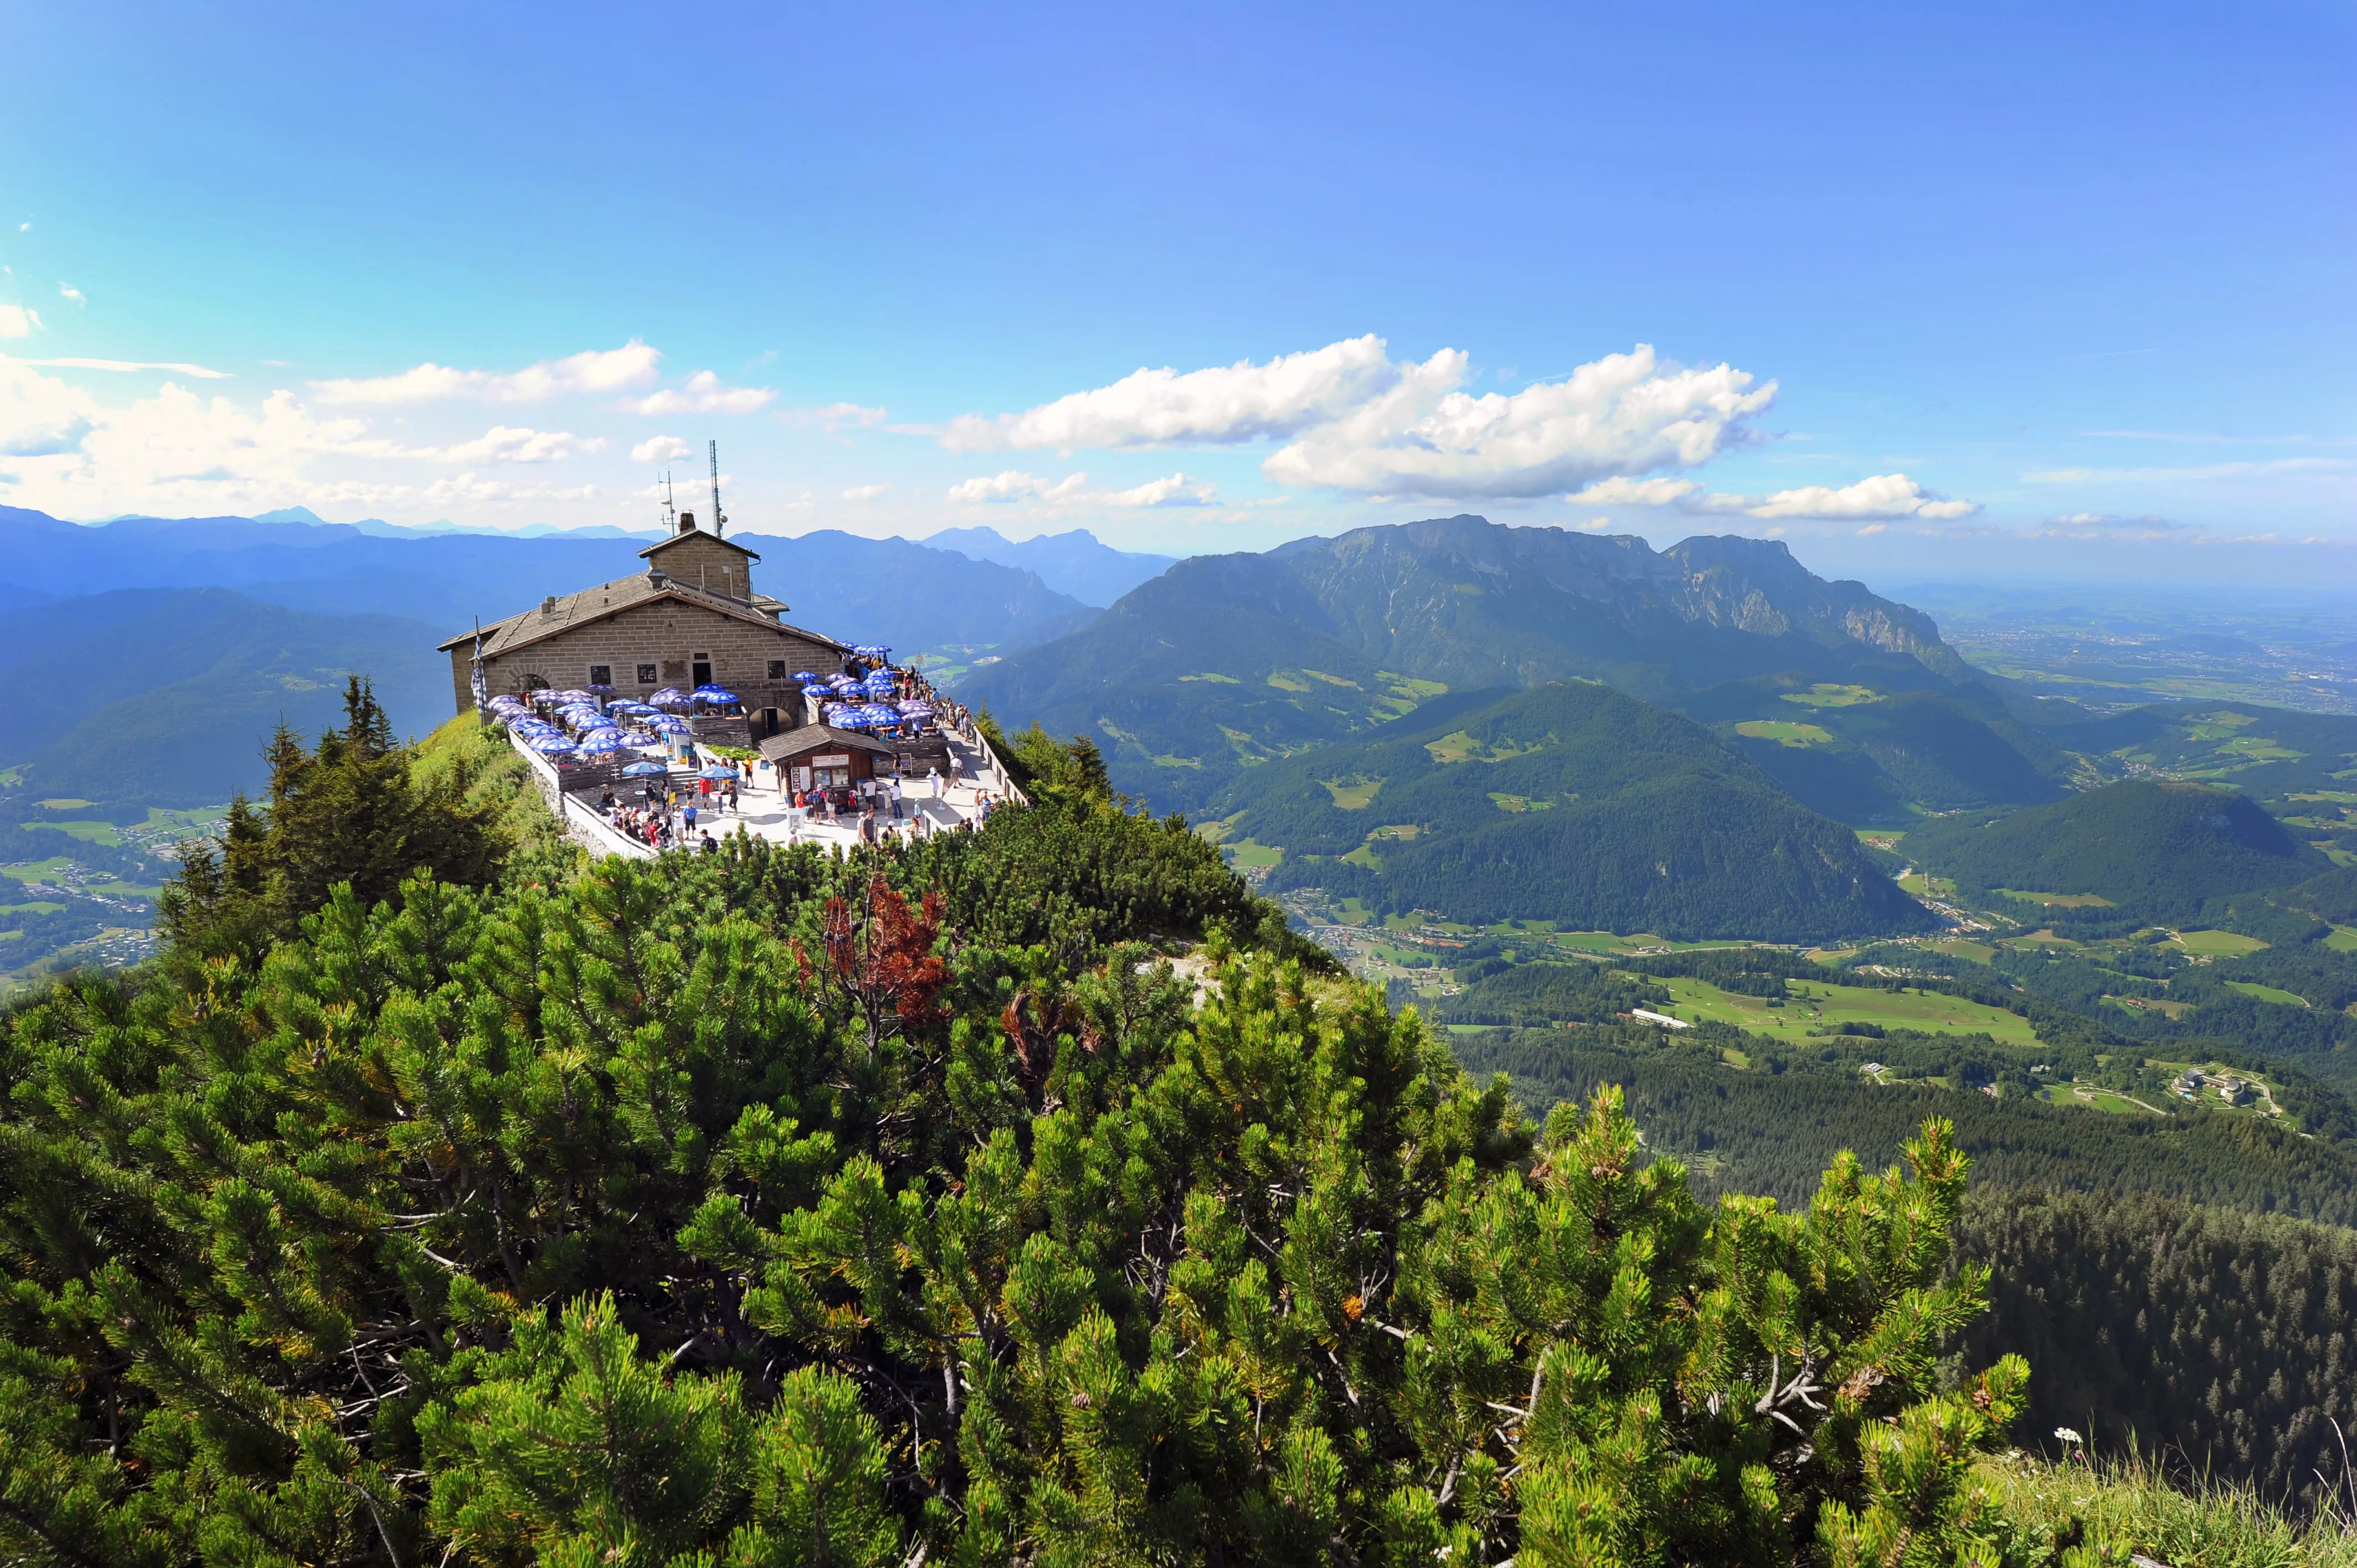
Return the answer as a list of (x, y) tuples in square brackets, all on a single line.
[(479, 683)]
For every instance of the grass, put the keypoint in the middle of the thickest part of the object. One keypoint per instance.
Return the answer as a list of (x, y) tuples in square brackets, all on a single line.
[(62, 803), (87, 831), (2057, 900), (2129, 1508), (2342, 939), (1214, 677), (1925, 886), (1824, 695), (1961, 947), (2267, 993), (1785, 732), (1353, 795), (2217, 944), (497, 778), (1816, 1006), (1248, 854), (1519, 802), (37, 907)]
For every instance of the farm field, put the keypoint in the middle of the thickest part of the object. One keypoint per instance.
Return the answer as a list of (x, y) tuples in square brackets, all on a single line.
[(2217, 944), (2268, 992), (1815, 1005)]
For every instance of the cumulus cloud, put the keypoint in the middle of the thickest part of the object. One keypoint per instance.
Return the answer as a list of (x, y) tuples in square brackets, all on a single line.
[(597, 370), (702, 393), (67, 291), (16, 321), (175, 366), (1622, 416), (1883, 497), (865, 492), (1242, 402), (832, 416), (1176, 489), (1353, 419), (660, 449), (1014, 484), (506, 444)]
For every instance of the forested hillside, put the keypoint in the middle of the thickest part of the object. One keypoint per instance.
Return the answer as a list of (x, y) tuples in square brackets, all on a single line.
[(1570, 803), (2159, 851)]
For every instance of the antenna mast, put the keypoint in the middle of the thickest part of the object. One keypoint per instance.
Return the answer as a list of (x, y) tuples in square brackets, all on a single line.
[(671, 513), (716, 519)]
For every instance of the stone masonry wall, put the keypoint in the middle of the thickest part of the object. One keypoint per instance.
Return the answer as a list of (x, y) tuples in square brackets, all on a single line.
[(666, 634)]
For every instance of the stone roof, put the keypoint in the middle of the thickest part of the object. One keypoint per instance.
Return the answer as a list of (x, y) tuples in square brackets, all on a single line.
[(813, 737), (591, 605)]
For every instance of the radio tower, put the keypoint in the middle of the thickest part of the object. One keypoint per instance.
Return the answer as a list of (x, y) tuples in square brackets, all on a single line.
[(716, 519)]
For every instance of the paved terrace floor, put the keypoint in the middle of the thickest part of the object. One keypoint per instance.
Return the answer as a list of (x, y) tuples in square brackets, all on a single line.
[(765, 814)]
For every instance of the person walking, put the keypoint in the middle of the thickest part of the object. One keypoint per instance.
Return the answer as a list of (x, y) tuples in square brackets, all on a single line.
[(933, 779), (895, 786)]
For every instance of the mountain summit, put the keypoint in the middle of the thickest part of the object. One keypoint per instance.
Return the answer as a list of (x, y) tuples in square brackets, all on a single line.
[(1223, 661)]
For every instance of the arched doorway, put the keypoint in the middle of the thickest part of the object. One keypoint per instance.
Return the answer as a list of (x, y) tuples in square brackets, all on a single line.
[(766, 723)]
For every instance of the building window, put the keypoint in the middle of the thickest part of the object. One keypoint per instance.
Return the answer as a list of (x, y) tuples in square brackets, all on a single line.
[(647, 676), (601, 675), (700, 669), (777, 669)]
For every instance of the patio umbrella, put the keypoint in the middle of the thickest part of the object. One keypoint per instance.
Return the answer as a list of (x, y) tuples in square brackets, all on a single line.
[(670, 695), (716, 772), (551, 744), (572, 694), (603, 741), (714, 694), (805, 674), (916, 709)]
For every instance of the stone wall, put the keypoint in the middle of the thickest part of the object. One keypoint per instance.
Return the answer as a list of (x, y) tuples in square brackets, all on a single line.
[(663, 635)]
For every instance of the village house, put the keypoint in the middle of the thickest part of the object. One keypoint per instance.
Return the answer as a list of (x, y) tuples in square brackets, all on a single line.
[(691, 618)]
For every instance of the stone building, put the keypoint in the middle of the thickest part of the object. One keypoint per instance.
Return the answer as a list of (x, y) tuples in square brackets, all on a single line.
[(692, 617)]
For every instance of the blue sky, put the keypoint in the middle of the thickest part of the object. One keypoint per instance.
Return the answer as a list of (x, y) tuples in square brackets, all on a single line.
[(2009, 289)]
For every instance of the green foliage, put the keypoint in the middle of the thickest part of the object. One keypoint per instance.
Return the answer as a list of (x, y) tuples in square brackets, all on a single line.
[(2159, 851), (351, 814), (771, 1208)]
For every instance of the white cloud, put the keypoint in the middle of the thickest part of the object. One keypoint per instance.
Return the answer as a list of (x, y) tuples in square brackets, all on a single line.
[(865, 492), (1618, 492), (1356, 420), (660, 449), (832, 416), (506, 444), (67, 291), (1625, 415), (1242, 402), (1014, 484), (1176, 491), (593, 371), (16, 321), (702, 394), (175, 366), (1883, 496)]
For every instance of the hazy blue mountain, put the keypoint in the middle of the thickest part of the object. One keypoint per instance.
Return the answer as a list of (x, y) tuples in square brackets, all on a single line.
[(1226, 660), (861, 589), (166, 696), (1077, 562), (1570, 803)]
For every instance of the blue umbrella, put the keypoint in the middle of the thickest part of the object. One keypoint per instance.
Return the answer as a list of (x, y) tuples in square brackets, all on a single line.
[(669, 694), (604, 740), (714, 695), (627, 705), (645, 769), (717, 772), (805, 674), (551, 744)]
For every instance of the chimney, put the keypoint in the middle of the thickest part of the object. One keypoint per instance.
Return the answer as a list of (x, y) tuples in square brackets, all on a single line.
[(688, 523), (548, 605)]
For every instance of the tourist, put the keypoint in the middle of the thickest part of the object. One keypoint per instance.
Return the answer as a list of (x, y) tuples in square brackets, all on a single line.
[(688, 815), (895, 788), (708, 847), (934, 781)]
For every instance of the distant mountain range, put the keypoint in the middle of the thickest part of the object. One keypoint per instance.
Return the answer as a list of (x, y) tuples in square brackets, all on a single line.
[(1225, 662), (1076, 562), (148, 657), (866, 590)]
